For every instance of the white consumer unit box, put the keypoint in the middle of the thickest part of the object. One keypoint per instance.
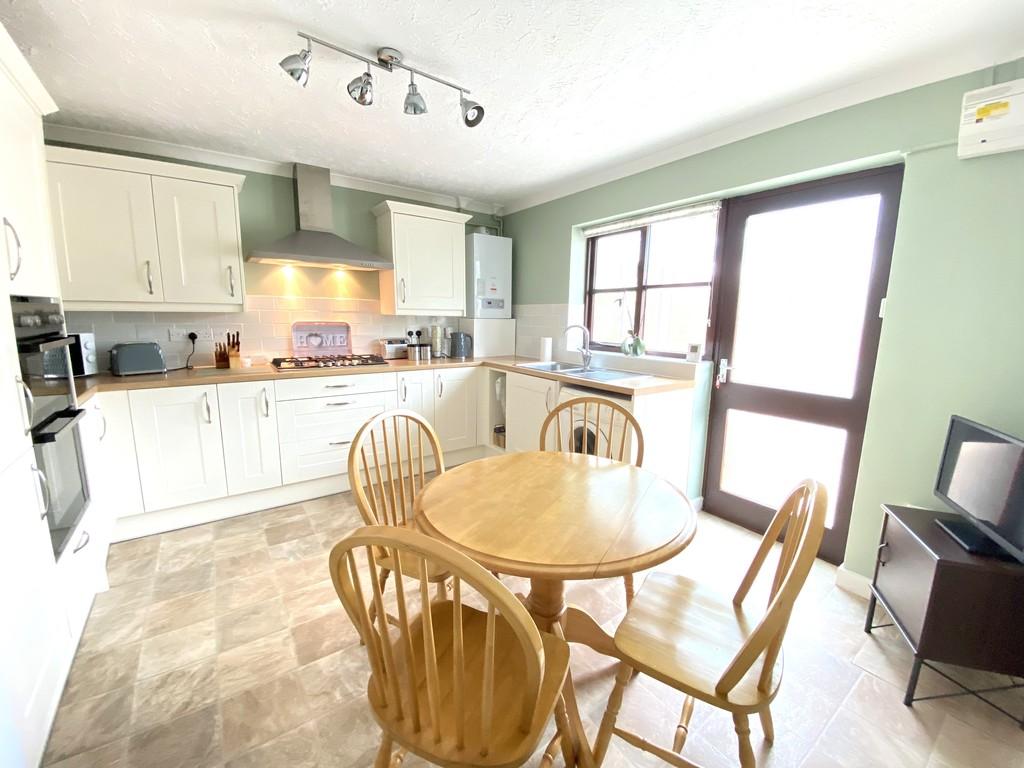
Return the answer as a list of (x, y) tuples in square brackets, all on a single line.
[(992, 120), (488, 276)]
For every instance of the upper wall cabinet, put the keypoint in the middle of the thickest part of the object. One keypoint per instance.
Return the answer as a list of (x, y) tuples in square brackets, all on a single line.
[(428, 248), (141, 234), (26, 240)]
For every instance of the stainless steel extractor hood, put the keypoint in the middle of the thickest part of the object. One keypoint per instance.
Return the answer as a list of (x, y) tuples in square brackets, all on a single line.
[(314, 244)]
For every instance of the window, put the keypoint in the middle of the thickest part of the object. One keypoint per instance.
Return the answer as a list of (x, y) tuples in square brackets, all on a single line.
[(652, 276)]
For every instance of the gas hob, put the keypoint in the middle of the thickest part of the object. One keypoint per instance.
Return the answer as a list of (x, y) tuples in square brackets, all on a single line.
[(326, 361)]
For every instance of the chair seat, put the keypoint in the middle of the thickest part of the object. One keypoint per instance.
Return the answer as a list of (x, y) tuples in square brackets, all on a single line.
[(509, 745), (685, 635)]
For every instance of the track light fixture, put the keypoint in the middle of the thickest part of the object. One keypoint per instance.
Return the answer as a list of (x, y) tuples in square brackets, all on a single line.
[(414, 103), (361, 88), (297, 64)]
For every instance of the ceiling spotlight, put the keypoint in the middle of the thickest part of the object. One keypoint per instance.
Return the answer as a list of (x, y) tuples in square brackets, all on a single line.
[(472, 113), (414, 103), (361, 89), (297, 66)]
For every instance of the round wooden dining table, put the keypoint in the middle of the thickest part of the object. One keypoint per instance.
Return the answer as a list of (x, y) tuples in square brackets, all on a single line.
[(554, 517)]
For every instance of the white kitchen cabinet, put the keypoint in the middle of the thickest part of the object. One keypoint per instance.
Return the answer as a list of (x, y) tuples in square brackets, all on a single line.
[(248, 424), (316, 433), (178, 444), (35, 650), (138, 234), (428, 248), (197, 236), (416, 393), (24, 217), (105, 230), (529, 399), (455, 407), (115, 482), (14, 419)]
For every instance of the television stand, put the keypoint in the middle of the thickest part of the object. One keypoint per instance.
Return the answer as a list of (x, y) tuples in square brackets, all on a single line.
[(973, 540), (951, 606)]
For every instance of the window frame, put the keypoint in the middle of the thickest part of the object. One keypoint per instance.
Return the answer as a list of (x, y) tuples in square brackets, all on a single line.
[(642, 286)]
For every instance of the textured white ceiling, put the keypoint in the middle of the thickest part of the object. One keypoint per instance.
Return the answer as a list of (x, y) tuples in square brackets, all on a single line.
[(570, 88)]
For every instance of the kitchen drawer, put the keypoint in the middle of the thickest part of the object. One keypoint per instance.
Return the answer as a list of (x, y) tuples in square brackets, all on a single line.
[(329, 418), (350, 384)]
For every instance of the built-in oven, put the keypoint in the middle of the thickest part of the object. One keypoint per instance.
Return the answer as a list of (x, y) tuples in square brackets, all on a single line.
[(43, 349)]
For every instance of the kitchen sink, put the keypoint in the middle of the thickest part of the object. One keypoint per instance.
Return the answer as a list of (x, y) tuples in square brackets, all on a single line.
[(550, 367)]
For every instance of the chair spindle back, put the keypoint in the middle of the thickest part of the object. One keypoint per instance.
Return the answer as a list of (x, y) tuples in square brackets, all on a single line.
[(577, 426)]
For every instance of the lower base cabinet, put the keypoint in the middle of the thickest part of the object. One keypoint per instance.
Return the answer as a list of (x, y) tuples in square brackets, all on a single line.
[(248, 425), (35, 647), (529, 400), (178, 445), (455, 408)]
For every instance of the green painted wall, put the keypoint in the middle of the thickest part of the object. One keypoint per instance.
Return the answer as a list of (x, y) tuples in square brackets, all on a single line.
[(951, 341)]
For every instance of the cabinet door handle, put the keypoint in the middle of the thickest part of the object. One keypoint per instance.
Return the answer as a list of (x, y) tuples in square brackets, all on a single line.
[(81, 542), (17, 245), (266, 403), (149, 276), (103, 416), (405, 391), (440, 387), (30, 402), (44, 488), (881, 552), (338, 386), (341, 442), (401, 285), (231, 280), (547, 393), (207, 409), (343, 402)]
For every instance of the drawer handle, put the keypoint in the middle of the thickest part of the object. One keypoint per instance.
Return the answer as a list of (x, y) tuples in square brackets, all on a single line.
[(82, 542), (338, 386), (343, 402), (341, 442), (881, 552)]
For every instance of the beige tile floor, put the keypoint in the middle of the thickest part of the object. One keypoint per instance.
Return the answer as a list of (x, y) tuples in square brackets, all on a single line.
[(225, 645)]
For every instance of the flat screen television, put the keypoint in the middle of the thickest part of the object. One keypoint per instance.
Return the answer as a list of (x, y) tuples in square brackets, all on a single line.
[(981, 476)]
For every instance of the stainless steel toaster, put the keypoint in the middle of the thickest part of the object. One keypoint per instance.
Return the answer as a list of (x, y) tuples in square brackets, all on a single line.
[(392, 349), (137, 357)]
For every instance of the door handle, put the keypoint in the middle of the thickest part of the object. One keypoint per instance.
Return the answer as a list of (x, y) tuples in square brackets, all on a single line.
[(401, 285), (341, 442), (30, 401), (440, 387), (206, 407), (82, 542), (405, 391), (44, 489), (231, 280), (547, 393), (149, 276), (103, 416), (266, 403), (881, 552), (722, 377), (17, 244)]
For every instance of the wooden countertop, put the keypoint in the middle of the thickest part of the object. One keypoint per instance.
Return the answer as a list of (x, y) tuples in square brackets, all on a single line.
[(87, 386)]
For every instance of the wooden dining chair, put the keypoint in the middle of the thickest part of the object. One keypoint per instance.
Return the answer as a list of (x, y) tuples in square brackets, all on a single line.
[(576, 426), (468, 680), (711, 647), (391, 459)]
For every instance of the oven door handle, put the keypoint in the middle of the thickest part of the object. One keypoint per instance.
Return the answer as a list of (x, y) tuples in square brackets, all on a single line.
[(44, 488), (30, 401)]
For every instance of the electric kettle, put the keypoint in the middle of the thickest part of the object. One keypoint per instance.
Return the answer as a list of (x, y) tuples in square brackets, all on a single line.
[(461, 345)]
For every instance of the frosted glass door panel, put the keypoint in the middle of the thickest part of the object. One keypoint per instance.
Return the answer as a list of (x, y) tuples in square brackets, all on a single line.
[(804, 282), (765, 457)]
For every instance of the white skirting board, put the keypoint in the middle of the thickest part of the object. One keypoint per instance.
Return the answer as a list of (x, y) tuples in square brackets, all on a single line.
[(853, 582), (164, 520)]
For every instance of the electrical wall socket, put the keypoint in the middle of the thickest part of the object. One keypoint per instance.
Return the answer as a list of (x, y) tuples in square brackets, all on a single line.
[(181, 334)]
